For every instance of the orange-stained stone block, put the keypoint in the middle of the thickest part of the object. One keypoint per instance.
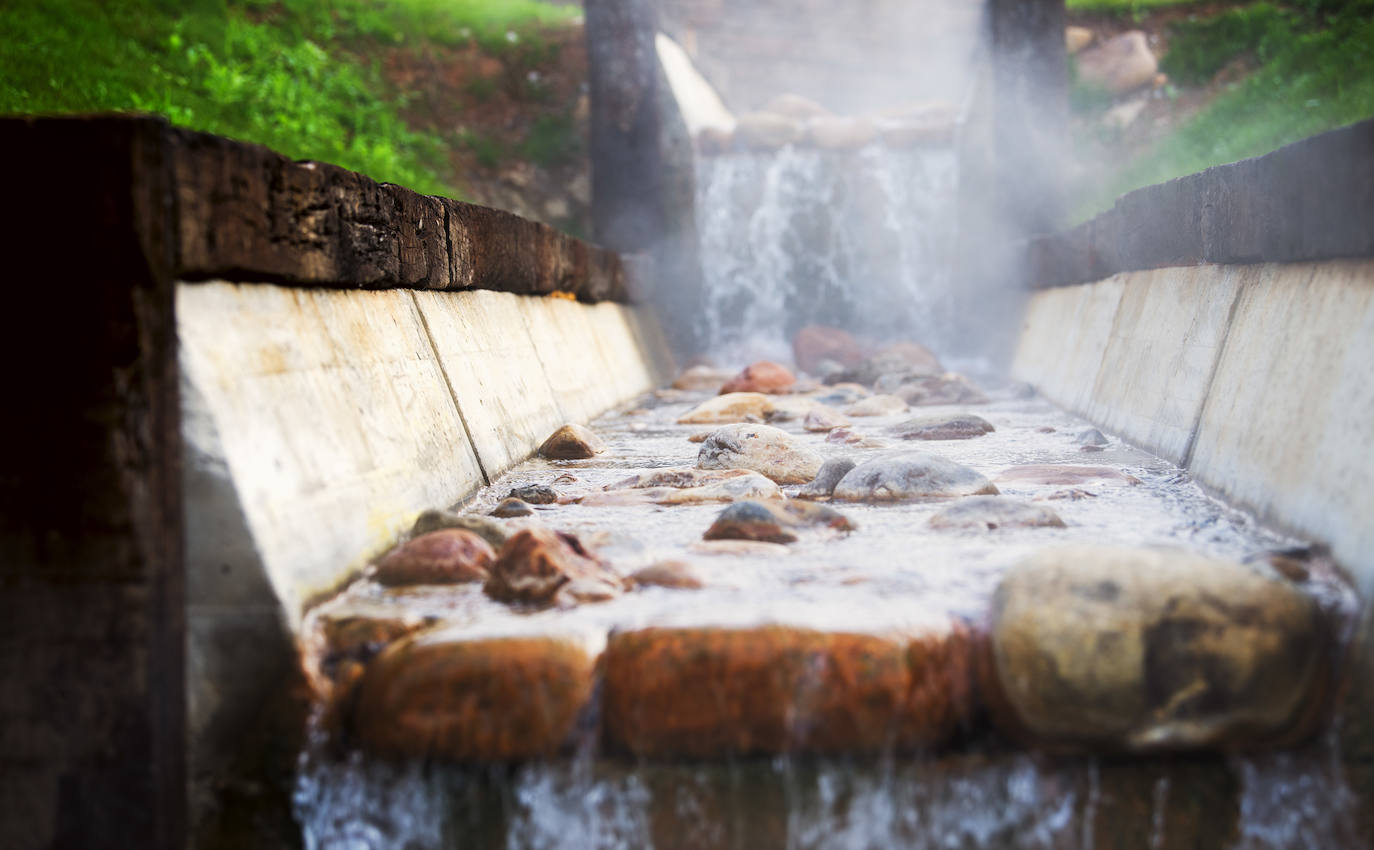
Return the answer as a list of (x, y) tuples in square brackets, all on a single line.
[(710, 693), (459, 698)]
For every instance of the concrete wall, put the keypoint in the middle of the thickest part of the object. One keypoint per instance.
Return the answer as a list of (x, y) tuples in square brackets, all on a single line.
[(1226, 321), (256, 372)]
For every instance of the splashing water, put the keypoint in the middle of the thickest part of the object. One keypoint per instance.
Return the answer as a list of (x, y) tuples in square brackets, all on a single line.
[(859, 240)]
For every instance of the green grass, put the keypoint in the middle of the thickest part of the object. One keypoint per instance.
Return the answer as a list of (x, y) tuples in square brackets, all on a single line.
[(284, 74), (1123, 7), (1199, 48), (1316, 73)]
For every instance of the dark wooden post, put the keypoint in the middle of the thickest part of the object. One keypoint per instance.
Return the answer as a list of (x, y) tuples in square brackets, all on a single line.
[(91, 576), (643, 185)]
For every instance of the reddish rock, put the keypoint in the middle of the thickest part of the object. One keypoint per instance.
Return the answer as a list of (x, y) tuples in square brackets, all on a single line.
[(535, 563), (361, 629), (450, 556), (465, 699), (713, 693), (764, 376), (572, 442), (816, 343), (908, 357)]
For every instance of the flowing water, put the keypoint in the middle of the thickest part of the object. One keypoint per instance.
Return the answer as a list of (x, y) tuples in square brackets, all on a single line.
[(894, 572), (859, 240)]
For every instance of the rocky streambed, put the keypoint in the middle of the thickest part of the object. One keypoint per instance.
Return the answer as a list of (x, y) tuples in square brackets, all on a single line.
[(896, 609)]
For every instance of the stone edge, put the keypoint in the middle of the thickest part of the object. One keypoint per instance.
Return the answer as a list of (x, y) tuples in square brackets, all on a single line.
[(1306, 201)]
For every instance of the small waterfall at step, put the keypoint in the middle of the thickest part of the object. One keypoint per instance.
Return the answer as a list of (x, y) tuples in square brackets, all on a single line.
[(861, 240)]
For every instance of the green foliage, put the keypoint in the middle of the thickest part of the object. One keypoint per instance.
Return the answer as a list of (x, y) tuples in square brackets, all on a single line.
[(552, 139), (1134, 8), (1312, 79), (489, 152), (1199, 47), (275, 72)]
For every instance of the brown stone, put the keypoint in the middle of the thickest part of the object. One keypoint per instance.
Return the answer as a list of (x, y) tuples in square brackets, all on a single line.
[(774, 521), (1061, 476), (510, 508), (455, 698), (1077, 38), (1110, 648), (451, 556), (572, 442), (713, 693), (815, 344), (762, 448), (674, 574), (822, 419), (360, 630), (765, 376), (535, 563), (735, 407), (434, 520), (795, 106), (1119, 64), (766, 131)]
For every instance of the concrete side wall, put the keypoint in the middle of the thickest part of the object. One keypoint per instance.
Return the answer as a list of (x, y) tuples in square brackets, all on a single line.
[(1260, 379), (317, 425)]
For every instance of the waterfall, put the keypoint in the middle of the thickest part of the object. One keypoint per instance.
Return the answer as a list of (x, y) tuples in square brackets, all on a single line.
[(861, 240)]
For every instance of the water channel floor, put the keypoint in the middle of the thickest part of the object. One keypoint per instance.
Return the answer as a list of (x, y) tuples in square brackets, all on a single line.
[(894, 574)]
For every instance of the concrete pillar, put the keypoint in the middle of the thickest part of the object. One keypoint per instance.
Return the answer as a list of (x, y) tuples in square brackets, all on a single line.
[(643, 183)]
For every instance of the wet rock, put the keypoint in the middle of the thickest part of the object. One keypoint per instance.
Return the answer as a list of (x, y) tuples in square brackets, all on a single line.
[(535, 563), (790, 407), (964, 426), (821, 419), (361, 629), (767, 131), (699, 437), (989, 513), (727, 486), (910, 476), (816, 343), (534, 494), (830, 474), (840, 133), (451, 697), (1062, 476), (838, 395), (493, 532), (572, 442), (510, 508), (1071, 494), (901, 358), (754, 548), (765, 376), (1077, 38), (451, 556), (847, 437), (1119, 64), (1109, 648), (701, 378), (777, 690), (940, 389), (762, 448), (734, 407), (774, 521), (678, 575), (1091, 437), (876, 405)]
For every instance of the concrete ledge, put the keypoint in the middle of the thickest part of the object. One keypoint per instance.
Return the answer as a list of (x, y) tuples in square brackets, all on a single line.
[(1307, 201)]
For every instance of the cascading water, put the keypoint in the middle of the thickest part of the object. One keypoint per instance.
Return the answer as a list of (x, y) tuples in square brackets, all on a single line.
[(861, 240)]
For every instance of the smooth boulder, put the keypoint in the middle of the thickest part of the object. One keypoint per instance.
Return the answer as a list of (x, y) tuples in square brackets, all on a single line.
[(774, 521), (769, 451), (910, 476), (816, 344), (450, 556), (765, 376), (830, 474), (1117, 649), (989, 513), (572, 442), (963, 426), (732, 407)]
